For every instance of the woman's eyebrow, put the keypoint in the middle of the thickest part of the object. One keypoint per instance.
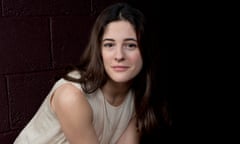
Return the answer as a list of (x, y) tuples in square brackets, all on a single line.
[(130, 39), (108, 39), (127, 39)]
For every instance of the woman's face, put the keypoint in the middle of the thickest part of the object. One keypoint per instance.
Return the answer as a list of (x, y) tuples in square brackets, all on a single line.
[(120, 51)]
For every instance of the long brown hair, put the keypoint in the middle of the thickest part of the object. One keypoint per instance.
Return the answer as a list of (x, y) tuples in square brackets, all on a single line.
[(91, 67)]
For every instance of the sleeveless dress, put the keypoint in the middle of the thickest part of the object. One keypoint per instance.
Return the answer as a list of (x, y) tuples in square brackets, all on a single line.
[(109, 121)]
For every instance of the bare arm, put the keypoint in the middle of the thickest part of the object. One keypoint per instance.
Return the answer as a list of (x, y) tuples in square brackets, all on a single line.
[(130, 135), (74, 114)]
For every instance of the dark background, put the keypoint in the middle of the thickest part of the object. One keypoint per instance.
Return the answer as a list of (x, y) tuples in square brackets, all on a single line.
[(39, 38)]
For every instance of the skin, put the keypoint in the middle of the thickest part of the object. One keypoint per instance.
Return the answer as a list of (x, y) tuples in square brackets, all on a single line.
[(121, 58), (121, 55), (122, 62)]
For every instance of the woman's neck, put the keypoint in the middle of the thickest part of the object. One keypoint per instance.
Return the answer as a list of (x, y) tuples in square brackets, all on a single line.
[(115, 93)]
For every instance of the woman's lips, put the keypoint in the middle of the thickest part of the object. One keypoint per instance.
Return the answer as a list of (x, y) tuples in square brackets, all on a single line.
[(120, 68)]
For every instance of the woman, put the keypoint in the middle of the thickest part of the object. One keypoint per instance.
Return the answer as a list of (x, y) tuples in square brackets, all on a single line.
[(106, 98)]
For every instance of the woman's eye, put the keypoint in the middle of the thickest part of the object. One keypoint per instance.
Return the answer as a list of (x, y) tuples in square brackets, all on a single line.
[(131, 46), (108, 45)]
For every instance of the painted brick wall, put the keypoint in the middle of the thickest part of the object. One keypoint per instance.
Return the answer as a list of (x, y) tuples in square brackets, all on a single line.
[(38, 38)]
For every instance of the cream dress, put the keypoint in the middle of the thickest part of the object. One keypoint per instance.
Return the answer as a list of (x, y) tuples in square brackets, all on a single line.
[(109, 121)]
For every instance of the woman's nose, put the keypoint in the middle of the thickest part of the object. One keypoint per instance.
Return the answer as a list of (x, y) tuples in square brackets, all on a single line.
[(119, 56)]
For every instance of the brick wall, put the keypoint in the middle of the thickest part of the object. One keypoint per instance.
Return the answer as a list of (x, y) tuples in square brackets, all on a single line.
[(38, 38)]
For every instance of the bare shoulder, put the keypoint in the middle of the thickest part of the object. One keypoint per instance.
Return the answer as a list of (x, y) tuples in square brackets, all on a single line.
[(67, 93), (68, 97), (74, 114)]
